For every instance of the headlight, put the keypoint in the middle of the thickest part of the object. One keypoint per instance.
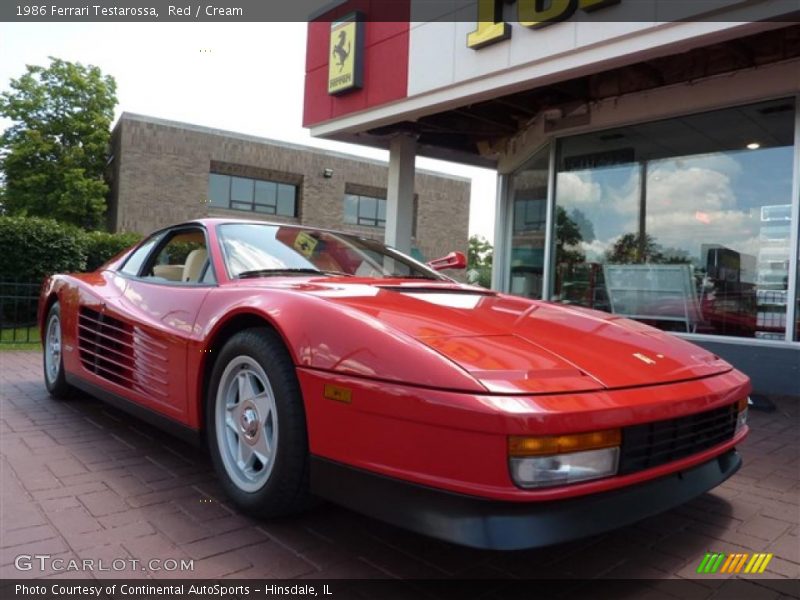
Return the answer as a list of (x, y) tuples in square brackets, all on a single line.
[(559, 460), (562, 469)]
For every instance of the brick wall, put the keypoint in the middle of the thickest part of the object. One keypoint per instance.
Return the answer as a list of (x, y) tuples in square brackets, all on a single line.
[(161, 169)]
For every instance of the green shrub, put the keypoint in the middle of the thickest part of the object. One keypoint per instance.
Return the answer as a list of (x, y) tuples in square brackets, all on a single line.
[(31, 248), (103, 246)]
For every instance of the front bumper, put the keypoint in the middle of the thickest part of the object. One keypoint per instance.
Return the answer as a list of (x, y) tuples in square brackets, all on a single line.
[(497, 525)]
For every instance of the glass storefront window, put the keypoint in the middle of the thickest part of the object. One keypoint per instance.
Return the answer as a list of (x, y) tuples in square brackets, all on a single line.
[(528, 196), (684, 224), (797, 310)]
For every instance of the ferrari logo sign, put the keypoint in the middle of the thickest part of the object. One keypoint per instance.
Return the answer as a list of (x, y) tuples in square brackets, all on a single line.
[(305, 244), (345, 59)]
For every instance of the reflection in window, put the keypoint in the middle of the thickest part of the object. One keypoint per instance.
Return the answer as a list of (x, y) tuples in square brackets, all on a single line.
[(529, 205), (253, 250), (254, 195), (364, 210), (219, 190), (530, 214), (683, 224)]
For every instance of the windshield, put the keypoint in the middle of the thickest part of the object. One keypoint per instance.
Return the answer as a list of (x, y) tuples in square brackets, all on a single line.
[(256, 250)]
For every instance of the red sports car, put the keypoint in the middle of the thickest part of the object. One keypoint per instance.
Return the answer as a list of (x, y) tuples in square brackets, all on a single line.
[(313, 362)]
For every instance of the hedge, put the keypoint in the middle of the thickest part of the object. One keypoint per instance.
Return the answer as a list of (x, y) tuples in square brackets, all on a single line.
[(103, 246), (31, 248)]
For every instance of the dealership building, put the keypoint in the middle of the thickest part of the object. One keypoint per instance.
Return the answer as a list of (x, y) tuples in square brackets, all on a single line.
[(648, 166), (164, 172)]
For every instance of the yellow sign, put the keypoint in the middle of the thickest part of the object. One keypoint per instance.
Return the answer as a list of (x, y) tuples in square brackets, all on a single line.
[(345, 59), (305, 244), (530, 13)]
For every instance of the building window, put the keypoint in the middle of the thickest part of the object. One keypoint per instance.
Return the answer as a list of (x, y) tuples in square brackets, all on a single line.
[(253, 195), (364, 210), (684, 224)]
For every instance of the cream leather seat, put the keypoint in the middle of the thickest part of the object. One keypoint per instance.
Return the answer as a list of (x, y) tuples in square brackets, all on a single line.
[(168, 272), (194, 265)]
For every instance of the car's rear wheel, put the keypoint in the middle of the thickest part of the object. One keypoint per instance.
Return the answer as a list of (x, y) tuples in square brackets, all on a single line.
[(256, 425), (54, 378)]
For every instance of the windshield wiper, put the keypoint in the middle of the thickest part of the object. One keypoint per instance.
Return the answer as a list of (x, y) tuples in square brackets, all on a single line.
[(298, 271), (278, 272)]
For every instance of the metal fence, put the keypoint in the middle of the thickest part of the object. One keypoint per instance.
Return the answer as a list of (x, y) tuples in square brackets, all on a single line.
[(18, 302)]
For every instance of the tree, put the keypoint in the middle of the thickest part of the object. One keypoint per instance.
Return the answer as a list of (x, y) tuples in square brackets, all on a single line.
[(629, 249), (568, 239), (479, 261), (54, 156), (585, 226)]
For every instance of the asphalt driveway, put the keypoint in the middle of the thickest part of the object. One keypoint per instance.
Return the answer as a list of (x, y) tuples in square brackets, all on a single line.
[(85, 481)]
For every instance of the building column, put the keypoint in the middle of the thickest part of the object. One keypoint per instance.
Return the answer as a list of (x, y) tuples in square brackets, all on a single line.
[(501, 263), (400, 192)]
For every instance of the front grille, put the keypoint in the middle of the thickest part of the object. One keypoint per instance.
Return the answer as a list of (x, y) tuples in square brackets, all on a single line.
[(653, 444)]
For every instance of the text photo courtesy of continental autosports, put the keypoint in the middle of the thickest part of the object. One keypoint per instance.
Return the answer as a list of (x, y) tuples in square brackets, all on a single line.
[(400, 298)]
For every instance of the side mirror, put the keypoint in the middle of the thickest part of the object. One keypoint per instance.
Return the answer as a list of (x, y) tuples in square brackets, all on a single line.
[(454, 260)]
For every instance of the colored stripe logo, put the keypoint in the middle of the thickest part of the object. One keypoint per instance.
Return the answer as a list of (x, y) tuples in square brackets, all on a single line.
[(719, 562)]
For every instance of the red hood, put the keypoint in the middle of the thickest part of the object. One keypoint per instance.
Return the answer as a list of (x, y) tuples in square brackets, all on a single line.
[(515, 345)]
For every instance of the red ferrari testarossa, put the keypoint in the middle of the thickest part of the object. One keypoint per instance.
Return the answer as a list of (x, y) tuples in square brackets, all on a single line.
[(320, 363)]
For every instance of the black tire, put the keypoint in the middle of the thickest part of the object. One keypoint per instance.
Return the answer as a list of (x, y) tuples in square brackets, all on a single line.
[(286, 489), (56, 383)]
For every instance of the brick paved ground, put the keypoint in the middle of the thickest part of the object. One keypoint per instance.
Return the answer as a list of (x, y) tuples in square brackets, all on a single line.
[(81, 480)]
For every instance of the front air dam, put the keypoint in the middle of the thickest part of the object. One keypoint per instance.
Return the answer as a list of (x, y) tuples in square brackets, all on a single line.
[(495, 525)]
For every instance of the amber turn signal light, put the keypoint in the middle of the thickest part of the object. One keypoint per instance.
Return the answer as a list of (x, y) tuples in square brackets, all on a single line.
[(338, 393), (560, 444), (742, 404)]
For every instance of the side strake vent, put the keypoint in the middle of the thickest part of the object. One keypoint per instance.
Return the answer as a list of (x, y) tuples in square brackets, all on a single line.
[(106, 346), (121, 353)]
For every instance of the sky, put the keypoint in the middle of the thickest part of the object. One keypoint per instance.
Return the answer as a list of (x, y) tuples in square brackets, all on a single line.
[(242, 77)]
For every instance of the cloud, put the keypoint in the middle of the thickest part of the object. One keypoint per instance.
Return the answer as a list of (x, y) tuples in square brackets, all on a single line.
[(595, 250), (577, 189), (690, 202)]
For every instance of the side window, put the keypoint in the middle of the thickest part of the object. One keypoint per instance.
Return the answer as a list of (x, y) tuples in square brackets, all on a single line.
[(133, 265), (182, 259), (208, 275)]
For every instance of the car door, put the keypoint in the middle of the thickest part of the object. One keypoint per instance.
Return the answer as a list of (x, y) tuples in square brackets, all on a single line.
[(159, 307)]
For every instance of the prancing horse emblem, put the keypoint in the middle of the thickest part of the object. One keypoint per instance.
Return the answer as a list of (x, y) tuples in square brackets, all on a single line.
[(644, 358), (339, 50)]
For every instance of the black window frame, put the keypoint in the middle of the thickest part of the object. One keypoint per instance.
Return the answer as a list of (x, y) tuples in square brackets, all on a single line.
[(163, 237)]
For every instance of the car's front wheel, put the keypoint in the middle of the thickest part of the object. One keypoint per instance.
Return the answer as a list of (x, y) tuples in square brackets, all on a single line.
[(256, 425), (54, 378)]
